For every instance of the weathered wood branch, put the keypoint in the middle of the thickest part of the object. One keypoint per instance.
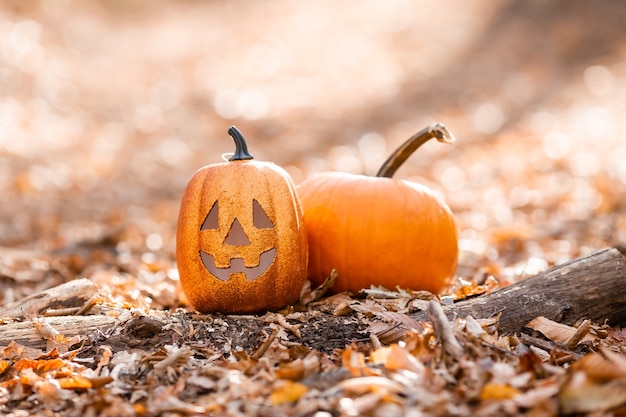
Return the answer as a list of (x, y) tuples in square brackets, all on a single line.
[(28, 332), (70, 294), (592, 287)]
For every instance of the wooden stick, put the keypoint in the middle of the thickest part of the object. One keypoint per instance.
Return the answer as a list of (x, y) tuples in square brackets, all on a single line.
[(444, 330)]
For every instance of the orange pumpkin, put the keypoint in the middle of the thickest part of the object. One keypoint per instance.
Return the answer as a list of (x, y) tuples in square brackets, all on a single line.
[(241, 245), (378, 230)]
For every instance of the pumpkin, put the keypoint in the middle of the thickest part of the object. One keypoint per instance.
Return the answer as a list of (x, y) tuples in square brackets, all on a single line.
[(379, 230), (241, 246)]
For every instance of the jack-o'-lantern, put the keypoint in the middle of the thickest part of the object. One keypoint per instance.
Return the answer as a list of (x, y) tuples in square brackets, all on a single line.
[(379, 230), (241, 245)]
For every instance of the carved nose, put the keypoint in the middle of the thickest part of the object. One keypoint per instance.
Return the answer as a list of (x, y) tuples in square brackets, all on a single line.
[(236, 236)]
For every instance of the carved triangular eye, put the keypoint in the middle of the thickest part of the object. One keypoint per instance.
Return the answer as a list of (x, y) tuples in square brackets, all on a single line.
[(259, 217), (211, 221)]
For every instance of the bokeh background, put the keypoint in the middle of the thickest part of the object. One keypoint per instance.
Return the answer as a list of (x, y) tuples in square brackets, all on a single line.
[(108, 107)]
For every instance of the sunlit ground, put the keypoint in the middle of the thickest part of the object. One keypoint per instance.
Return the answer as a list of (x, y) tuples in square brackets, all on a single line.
[(107, 108)]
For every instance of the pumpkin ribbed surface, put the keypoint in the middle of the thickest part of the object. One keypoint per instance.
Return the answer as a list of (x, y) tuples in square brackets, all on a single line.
[(377, 231), (241, 245)]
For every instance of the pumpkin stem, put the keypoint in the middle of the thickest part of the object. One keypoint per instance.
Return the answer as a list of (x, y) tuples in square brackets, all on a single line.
[(397, 158), (241, 148)]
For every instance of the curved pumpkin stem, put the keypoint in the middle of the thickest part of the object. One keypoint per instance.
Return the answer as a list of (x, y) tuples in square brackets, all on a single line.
[(241, 148), (434, 130)]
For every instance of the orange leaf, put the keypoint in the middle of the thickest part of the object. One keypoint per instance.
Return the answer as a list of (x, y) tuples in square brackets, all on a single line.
[(354, 361), (75, 382), (288, 392), (293, 371), (100, 381), (29, 377), (396, 358), (498, 392), (51, 365), (25, 364), (4, 365)]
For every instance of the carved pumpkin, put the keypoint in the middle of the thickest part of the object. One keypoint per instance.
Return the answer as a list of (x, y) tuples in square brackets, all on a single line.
[(241, 244), (378, 230)]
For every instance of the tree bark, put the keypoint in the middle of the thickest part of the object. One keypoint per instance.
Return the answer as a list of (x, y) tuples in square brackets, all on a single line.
[(592, 287)]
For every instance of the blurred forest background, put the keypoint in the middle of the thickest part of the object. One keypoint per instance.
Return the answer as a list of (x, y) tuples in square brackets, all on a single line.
[(108, 107)]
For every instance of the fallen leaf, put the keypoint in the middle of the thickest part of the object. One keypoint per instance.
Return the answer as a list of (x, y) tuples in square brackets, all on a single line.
[(318, 292), (51, 365), (537, 395), (288, 392), (75, 382), (299, 368), (394, 326), (582, 394), (353, 361), (16, 351), (376, 384), (557, 332), (293, 371), (474, 328), (29, 377), (493, 391), (466, 289), (4, 365), (605, 365), (396, 358), (23, 364)]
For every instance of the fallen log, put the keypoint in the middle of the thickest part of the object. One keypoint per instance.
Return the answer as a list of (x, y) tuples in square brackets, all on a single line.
[(591, 287)]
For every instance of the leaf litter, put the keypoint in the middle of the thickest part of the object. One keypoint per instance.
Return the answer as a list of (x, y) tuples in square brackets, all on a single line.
[(154, 361)]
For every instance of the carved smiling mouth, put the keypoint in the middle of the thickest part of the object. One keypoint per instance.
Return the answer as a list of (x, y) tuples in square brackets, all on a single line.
[(237, 266)]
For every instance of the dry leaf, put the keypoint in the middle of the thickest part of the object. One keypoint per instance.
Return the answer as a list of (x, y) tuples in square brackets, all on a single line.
[(4, 365), (288, 392), (376, 384), (29, 377), (353, 361), (555, 331), (581, 394), (538, 395), (299, 368), (605, 365), (16, 351), (396, 358), (465, 289), (394, 326), (174, 356), (75, 382), (328, 283), (493, 391), (387, 332), (474, 328)]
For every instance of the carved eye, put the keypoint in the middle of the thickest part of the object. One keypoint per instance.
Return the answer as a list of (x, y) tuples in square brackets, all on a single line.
[(211, 221), (259, 217)]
